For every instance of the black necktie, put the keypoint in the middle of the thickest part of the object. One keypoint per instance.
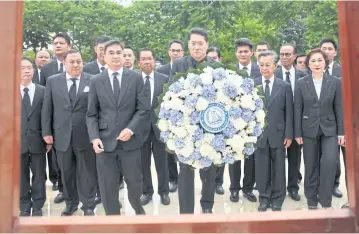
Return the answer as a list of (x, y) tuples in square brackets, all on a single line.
[(102, 69), (61, 68), (287, 75), (148, 88), (26, 100), (116, 86), (266, 90), (245, 68), (327, 71), (72, 91)]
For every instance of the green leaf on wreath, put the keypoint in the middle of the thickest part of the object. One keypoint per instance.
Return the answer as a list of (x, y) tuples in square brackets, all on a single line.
[(157, 111), (179, 75), (160, 98)]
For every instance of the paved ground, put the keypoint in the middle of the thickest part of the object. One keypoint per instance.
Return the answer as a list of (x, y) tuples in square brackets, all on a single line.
[(222, 202)]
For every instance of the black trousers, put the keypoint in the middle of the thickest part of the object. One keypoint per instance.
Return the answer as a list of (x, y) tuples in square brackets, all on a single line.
[(339, 171), (320, 161), (78, 176), (160, 157), (172, 168), (270, 175), (108, 164), (235, 172), (294, 155), (54, 169), (34, 195), (186, 188), (219, 175)]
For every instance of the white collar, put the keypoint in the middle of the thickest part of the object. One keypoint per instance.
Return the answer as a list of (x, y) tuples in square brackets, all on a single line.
[(69, 77), (151, 75), (271, 79), (100, 65)]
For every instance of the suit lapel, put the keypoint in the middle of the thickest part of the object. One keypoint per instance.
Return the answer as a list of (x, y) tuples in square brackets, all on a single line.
[(325, 88), (275, 90), (83, 83), (311, 88), (124, 84), (63, 87), (35, 101), (108, 87), (157, 90)]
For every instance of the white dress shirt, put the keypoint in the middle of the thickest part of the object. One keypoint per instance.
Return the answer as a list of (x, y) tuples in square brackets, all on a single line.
[(100, 65), (58, 65), (152, 82), (318, 86), (119, 76), (291, 77), (249, 67), (39, 73), (330, 68), (31, 91), (69, 82), (270, 84)]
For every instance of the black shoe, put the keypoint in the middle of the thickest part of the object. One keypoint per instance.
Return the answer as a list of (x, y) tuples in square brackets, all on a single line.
[(97, 200), (337, 192), (234, 196), (276, 208), (25, 213), (141, 212), (89, 212), (55, 186), (219, 189), (312, 207), (145, 199), (173, 186), (263, 207), (36, 212), (122, 185), (294, 195), (68, 211), (345, 206), (207, 211), (250, 196), (59, 198), (165, 199)]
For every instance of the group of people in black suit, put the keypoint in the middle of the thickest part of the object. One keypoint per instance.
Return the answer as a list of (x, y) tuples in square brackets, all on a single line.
[(99, 123)]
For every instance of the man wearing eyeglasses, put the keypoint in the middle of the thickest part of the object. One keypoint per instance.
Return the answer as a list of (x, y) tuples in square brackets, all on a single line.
[(289, 73), (175, 51)]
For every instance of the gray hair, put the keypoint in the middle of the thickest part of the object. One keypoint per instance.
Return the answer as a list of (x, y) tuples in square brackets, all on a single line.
[(268, 53)]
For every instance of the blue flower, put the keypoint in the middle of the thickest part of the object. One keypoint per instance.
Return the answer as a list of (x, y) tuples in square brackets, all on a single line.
[(247, 85), (176, 87), (176, 118), (196, 155), (164, 113), (209, 92), (206, 162), (219, 74), (247, 115), (248, 150), (198, 134), (259, 104), (230, 131), (235, 112), (230, 91), (257, 130), (164, 136), (194, 80), (179, 143), (228, 159), (195, 117), (182, 158), (191, 101), (218, 142)]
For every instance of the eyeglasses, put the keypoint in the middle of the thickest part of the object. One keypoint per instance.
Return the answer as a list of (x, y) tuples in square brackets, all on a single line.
[(285, 54), (178, 51)]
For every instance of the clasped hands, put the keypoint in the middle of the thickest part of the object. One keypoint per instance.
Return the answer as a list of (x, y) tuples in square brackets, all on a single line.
[(97, 144)]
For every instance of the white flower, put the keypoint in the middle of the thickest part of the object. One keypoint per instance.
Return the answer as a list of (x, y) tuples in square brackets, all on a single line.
[(202, 104), (207, 151), (196, 164), (191, 129), (250, 139), (175, 104), (247, 102), (186, 120), (163, 125), (197, 90), (198, 144), (219, 84), (260, 116), (208, 137), (186, 110), (179, 131), (239, 123), (238, 156), (171, 144), (187, 150), (208, 70), (236, 143), (221, 97), (206, 78), (234, 80)]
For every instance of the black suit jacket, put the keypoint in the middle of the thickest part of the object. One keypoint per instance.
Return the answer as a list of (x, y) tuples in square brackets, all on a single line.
[(311, 112), (106, 119), (31, 136), (35, 78), (60, 119), (48, 70), (279, 74), (254, 70), (165, 69), (337, 70), (279, 114), (92, 68)]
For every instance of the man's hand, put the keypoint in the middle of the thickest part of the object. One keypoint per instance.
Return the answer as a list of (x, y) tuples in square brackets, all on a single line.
[(97, 146), (341, 140), (49, 140), (125, 135), (299, 140), (287, 142), (48, 148)]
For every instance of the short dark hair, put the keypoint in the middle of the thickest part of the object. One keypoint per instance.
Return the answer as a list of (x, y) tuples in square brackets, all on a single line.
[(243, 42), (114, 42), (198, 31), (214, 49), (268, 53), (315, 51), (298, 56), (176, 41), (130, 48), (145, 49), (72, 51), (64, 36), (329, 40), (292, 45), (102, 39), (264, 43), (27, 59)]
